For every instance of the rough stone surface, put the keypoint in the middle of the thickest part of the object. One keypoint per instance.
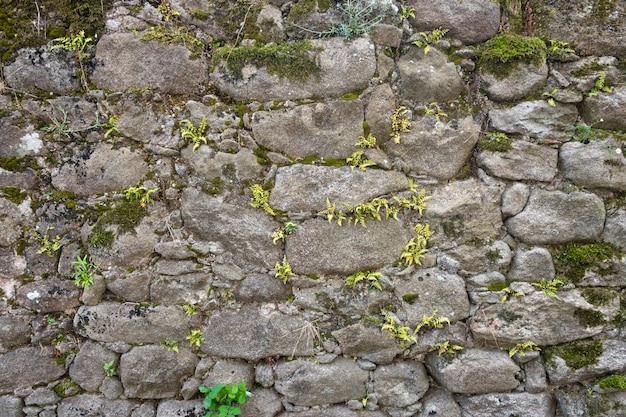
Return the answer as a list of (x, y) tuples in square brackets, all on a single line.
[(337, 61), (123, 61), (435, 149), (369, 343), (542, 319), (209, 164), (514, 199), (401, 384), (104, 170), (526, 161), (429, 77), (14, 331), (43, 69), (557, 217), (305, 188), (87, 368), (177, 408), (378, 111), (111, 322), (11, 406), (180, 289), (615, 228), (439, 402), (475, 371), (245, 236), (321, 129), (536, 119), (324, 248), (49, 295), (531, 265), (432, 289), (594, 165), (263, 403), (606, 110), (260, 288), (154, 372), (253, 334), (524, 80), (469, 21), (293, 380), (521, 404), (25, 367)]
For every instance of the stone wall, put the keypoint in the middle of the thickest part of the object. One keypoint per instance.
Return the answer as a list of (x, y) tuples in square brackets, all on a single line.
[(516, 308)]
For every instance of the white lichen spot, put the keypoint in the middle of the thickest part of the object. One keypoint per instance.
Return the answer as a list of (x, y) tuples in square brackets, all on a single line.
[(31, 142), (33, 295)]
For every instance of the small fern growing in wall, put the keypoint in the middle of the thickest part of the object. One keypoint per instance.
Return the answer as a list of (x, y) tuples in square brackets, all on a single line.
[(194, 134), (402, 333)]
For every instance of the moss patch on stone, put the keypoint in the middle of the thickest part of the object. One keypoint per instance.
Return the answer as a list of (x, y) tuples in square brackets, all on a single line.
[(125, 216), (577, 355), (589, 68), (291, 60), (15, 164), (495, 142), (598, 296), (14, 194), (571, 260), (499, 55), (589, 318), (617, 382)]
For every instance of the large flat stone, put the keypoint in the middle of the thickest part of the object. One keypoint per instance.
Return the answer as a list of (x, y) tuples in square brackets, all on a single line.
[(26, 367), (536, 119), (594, 165)]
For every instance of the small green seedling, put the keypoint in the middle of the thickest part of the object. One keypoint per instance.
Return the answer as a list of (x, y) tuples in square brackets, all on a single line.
[(413, 252), (195, 338), (435, 110), (399, 124), (169, 344), (47, 246), (558, 50), (283, 270), (191, 309), (194, 134), (366, 142), (282, 232), (356, 160), (167, 11), (109, 368), (401, 333), (111, 126), (220, 400), (407, 13), (430, 39), (140, 193), (260, 199), (371, 277), (549, 288), (600, 86), (522, 348), (507, 292), (76, 43), (549, 95), (434, 321), (83, 271), (446, 348)]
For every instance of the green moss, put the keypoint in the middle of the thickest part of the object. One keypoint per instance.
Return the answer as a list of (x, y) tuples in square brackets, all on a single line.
[(497, 286), (589, 318), (171, 35), (15, 164), (410, 298), (589, 68), (598, 296), (577, 355), (290, 60), (495, 142), (230, 16), (214, 187), (499, 55), (199, 14), (14, 194), (613, 382), (65, 387), (572, 259), (352, 95), (126, 215)]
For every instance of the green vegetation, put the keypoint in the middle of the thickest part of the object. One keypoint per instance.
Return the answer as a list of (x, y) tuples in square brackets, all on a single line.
[(14, 194), (366, 142), (367, 276), (191, 309), (282, 232), (47, 246), (613, 382), (577, 355), (219, 400), (169, 344), (192, 133), (283, 270), (292, 60), (399, 124), (507, 292), (522, 348), (599, 296), (446, 348), (495, 142), (590, 68), (83, 271), (429, 39), (17, 164), (433, 321), (407, 13), (356, 160), (571, 260), (174, 35), (140, 194), (402, 333), (549, 96), (589, 318), (435, 110), (549, 288), (260, 199), (499, 55), (109, 368), (195, 338), (599, 86), (76, 43), (558, 50), (125, 215)]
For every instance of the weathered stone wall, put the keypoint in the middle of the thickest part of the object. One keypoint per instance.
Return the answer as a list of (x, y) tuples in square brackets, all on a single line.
[(524, 170)]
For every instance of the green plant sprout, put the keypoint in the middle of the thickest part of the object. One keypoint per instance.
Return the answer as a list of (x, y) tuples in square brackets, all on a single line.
[(76, 43), (366, 142), (613, 382), (109, 368), (169, 344), (140, 193), (356, 160), (407, 13), (522, 348), (83, 271), (413, 252), (195, 338), (558, 50), (191, 309), (495, 142), (582, 131), (370, 277), (194, 134), (600, 86), (446, 348), (283, 270), (434, 109), (282, 232), (433, 321), (399, 123), (166, 10), (549, 288), (47, 246), (549, 95), (507, 292), (433, 38), (220, 399), (261, 198), (111, 126), (402, 333), (63, 127)]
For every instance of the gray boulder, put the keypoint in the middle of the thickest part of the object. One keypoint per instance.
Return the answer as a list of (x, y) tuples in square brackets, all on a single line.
[(318, 247), (536, 119), (606, 110), (180, 289), (400, 384), (11, 406), (230, 371), (178, 408), (260, 288), (523, 81), (379, 109), (337, 411), (327, 130), (209, 164), (153, 372), (579, 401), (526, 161), (263, 403), (615, 228), (429, 290), (470, 21), (542, 319), (514, 199), (105, 169), (369, 343), (49, 295), (12, 219), (87, 367), (294, 379), (254, 333), (521, 404), (123, 61), (337, 61), (474, 371), (437, 149), (15, 331), (305, 188), (531, 265), (552, 217), (246, 235), (594, 165), (132, 323), (26, 367), (439, 402), (428, 77)]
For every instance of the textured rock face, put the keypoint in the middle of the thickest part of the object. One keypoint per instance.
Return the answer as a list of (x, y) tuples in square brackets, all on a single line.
[(26, 367), (524, 80), (400, 385), (594, 165), (536, 119), (520, 404), (526, 161), (368, 343), (607, 109)]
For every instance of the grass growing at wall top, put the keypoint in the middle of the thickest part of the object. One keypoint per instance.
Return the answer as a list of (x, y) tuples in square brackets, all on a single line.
[(499, 55)]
